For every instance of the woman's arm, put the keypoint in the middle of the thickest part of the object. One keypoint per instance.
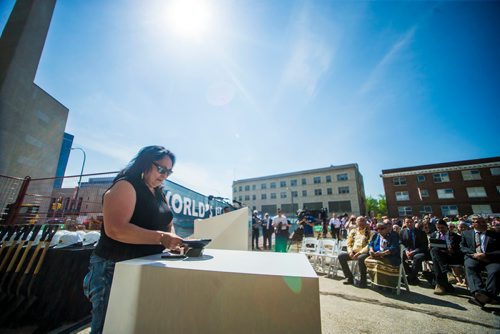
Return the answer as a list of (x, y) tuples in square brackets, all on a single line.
[(118, 207)]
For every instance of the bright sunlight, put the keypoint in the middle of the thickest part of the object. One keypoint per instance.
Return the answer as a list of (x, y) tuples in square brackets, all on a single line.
[(190, 18)]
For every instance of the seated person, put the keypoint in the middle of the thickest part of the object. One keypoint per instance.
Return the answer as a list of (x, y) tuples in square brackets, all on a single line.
[(357, 250), (384, 260), (416, 249), (482, 252), (445, 251)]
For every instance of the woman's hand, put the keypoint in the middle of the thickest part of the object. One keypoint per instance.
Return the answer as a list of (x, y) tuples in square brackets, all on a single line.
[(170, 240)]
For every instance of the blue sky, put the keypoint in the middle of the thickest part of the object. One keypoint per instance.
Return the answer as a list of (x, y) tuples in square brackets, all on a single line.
[(268, 87)]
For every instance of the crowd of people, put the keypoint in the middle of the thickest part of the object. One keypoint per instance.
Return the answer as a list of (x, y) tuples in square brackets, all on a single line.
[(462, 251)]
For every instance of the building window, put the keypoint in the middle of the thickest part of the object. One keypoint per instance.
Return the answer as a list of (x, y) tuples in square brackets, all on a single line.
[(247, 197), (263, 196), (339, 206), (424, 192), (282, 184), (470, 175), (317, 179), (402, 196), (240, 198), (449, 210), (254, 186), (329, 191), (445, 193), (495, 171), (283, 194), (273, 195), (476, 192), (317, 192), (304, 193), (293, 183), (304, 181), (263, 186), (441, 177), (420, 178), (328, 179), (235, 190), (273, 185), (295, 194), (254, 197), (404, 211), (343, 190), (399, 181), (425, 209), (481, 209), (342, 177), (247, 188), (241, 188)]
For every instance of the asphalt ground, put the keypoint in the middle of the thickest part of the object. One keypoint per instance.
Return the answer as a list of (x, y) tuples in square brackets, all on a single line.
[(349, 309)]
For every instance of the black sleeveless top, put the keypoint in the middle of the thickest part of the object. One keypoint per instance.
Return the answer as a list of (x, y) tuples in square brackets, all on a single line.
[(151, 212)]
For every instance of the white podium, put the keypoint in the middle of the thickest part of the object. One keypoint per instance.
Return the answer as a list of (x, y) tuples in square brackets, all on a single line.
[(223, 291)]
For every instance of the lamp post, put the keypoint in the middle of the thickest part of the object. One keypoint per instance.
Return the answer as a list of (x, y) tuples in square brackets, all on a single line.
[(81, 173), (291, 195)]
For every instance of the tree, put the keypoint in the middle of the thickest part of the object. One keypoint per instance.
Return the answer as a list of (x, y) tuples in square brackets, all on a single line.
[(382, 205), (376, 206)]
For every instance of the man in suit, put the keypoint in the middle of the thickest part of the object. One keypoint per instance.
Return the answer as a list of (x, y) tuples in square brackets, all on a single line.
[(445, 250), (267, 231), (255, 230), (416, 249), (482, 252)]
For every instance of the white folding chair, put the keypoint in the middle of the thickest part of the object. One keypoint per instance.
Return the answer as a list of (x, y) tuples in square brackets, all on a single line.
[(402, 272), (310, 247), (328, 252)]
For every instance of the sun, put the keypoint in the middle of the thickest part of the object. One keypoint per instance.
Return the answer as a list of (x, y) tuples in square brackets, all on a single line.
[(190, 18)]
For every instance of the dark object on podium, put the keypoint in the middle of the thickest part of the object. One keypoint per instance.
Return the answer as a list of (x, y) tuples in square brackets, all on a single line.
[(195, 246)]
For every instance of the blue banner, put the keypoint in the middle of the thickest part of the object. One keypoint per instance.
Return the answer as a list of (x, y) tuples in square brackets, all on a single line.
[(188, 205)]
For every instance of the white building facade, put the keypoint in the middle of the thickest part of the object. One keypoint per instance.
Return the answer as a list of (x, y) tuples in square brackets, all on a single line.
[(338, 189)]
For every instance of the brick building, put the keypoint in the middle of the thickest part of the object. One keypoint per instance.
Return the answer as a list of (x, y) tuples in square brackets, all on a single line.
[(444, 189)]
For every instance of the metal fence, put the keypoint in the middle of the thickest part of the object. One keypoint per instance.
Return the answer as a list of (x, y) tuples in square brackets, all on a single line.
[(35, 201)]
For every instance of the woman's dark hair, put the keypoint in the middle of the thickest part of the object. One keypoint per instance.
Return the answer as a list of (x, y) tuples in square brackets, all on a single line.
[(143, 161)]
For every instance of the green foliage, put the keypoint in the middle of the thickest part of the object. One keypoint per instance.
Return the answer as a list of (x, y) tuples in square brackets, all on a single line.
[(376, 206)]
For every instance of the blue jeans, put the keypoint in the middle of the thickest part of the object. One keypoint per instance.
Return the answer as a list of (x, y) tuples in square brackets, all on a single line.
[(97, 287)]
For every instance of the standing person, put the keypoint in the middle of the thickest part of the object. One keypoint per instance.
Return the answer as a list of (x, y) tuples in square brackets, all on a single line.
[(255, 230), (137, 222), (267, 231), (357, 250), (351, 224), (308, 225), (482, 252), (335, 225), (281, 224)]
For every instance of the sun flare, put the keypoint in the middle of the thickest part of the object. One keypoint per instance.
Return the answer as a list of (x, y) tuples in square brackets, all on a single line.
[(190, 18)]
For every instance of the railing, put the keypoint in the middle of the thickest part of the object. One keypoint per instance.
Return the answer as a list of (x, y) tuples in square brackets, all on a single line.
[(35, 201)]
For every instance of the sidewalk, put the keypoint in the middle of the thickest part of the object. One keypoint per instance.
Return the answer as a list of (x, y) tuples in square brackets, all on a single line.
[(348, 309)]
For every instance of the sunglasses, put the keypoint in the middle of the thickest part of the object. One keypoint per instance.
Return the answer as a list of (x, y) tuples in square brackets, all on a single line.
[(163, 170)]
